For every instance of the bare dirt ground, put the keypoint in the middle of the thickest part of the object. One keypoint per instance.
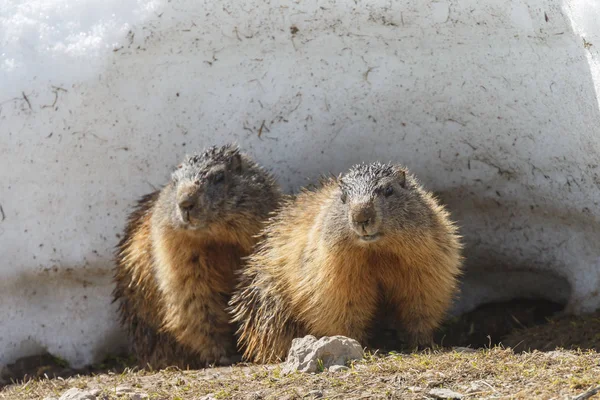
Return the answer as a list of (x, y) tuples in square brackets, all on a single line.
[(491, 372), (494, 373)]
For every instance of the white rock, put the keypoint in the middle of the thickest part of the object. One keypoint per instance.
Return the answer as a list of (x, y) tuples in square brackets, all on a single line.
[(331, 350), (338, 368), (77, 394), (440, 393), (123, 389), (475, 387), (559, 354), (459, 349)]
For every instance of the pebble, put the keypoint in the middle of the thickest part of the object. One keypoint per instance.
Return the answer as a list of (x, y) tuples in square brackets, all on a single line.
[(464, 350), (77, 394), (338, 368), (123, 389), (440, 393)]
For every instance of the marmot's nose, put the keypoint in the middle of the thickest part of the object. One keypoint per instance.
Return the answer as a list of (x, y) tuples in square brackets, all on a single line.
[(186, 204), (364, 216), (364, 219)]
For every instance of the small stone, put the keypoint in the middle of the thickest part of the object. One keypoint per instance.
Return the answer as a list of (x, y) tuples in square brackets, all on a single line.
[(123, 389), (138, 396), (474, 388), (77, 394), (559, 354), (440, 393), (209, 396), (415, 389), (464, 350), (317, 394), (308, 354), (338, 368), (257, 396), (50, 398)]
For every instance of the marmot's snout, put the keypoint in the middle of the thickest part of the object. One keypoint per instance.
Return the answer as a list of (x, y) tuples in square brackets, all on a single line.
[(365, 221), (187, 203)]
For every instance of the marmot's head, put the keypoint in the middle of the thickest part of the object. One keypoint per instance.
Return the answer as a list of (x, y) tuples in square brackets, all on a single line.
[(375, 203), (220, 185)]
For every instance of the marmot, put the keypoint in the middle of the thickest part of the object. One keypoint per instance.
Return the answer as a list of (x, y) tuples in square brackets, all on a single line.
[(336, 255), (177, 261)]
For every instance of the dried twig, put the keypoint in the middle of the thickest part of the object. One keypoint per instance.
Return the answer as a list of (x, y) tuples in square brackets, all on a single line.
[(366, 74), (262, 126), (27, 100), (588, 394), (247, 128)]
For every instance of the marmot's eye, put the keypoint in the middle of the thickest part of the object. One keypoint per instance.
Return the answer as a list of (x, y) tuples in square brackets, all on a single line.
[(218, 177), (388, 191), (343, 197)]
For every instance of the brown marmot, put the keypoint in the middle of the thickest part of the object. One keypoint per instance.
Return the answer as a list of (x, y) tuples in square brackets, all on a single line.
[(177, 261), (336, 255)]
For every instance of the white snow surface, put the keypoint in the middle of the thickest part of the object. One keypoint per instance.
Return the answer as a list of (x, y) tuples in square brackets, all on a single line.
[(62, 41), (493, 104)]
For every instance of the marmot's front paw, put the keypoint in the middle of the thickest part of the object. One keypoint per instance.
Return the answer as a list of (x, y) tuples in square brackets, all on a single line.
[(421, 341)]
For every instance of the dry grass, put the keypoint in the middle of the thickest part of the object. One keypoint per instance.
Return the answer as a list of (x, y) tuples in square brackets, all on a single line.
[(495, 373), (483, 374)]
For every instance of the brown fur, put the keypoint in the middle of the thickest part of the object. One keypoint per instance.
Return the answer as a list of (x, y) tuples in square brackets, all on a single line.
[(173, 284), (140, 306), (300, 282)]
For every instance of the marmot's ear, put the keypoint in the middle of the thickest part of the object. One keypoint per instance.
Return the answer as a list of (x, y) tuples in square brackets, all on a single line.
[(236, 164), (400, 174)]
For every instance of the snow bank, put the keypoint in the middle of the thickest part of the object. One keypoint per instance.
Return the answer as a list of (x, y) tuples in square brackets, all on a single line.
[(59, 42), (493, 104)]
